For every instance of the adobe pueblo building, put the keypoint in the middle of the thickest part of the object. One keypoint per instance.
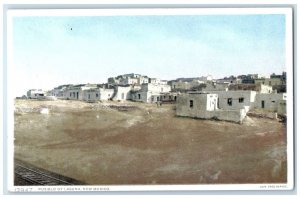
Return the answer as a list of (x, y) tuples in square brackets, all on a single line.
[(206, 106), (230, 106), (228, 99)]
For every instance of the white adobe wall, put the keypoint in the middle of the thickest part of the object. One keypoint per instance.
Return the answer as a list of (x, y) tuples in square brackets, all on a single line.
[(105, 94), (72, 96), (202, 103), (147, 96), (143, 96), (131, 80), (123, 93), (34, 94), (271, 101), (266, 89), (201, 108), (143, 80), (249, 99), (231, 115), (156, 88), (90, 95), (153, 97)]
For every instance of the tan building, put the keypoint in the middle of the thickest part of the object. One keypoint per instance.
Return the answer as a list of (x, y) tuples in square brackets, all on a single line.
[(269, 81)]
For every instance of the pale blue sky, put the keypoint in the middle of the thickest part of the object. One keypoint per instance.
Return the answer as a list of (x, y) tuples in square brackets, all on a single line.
[(47, 53)]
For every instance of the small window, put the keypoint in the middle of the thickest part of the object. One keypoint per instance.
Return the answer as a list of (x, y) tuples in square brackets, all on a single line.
[(191, 103), (241, 100), (139, 95), (70, 94), (273, 101), (97, 95), (229, 101)]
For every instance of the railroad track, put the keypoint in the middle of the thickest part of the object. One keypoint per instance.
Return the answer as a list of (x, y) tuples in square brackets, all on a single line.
[(37, 177)]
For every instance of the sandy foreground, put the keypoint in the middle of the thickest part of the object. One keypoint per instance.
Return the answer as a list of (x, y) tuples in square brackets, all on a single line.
[(136, 143)]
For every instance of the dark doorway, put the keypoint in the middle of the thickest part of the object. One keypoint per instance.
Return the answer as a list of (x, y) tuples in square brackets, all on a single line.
[(262, 104)]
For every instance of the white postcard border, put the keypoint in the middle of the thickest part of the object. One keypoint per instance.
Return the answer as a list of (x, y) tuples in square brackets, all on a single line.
[(138, 11)]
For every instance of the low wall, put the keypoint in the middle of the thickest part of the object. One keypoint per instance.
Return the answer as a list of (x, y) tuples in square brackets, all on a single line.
[(226, 115), (231, 115)]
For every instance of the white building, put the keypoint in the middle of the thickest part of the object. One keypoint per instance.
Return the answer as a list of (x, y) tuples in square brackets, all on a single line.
[(96, 94), (150, 93), (75, 92), (122, 93), (36, 94), (154, 80), (205, 106), (59, 91), (233, 100), (275, 102), (143, 80), (128, 79)]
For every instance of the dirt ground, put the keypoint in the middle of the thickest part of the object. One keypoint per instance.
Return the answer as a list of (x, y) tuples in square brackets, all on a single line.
[(136, 143)]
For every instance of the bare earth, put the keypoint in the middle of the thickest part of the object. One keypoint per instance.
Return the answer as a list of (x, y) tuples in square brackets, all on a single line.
[(101, 144)]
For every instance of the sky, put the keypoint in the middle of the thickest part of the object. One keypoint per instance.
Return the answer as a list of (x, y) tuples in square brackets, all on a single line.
[(55, 50)]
